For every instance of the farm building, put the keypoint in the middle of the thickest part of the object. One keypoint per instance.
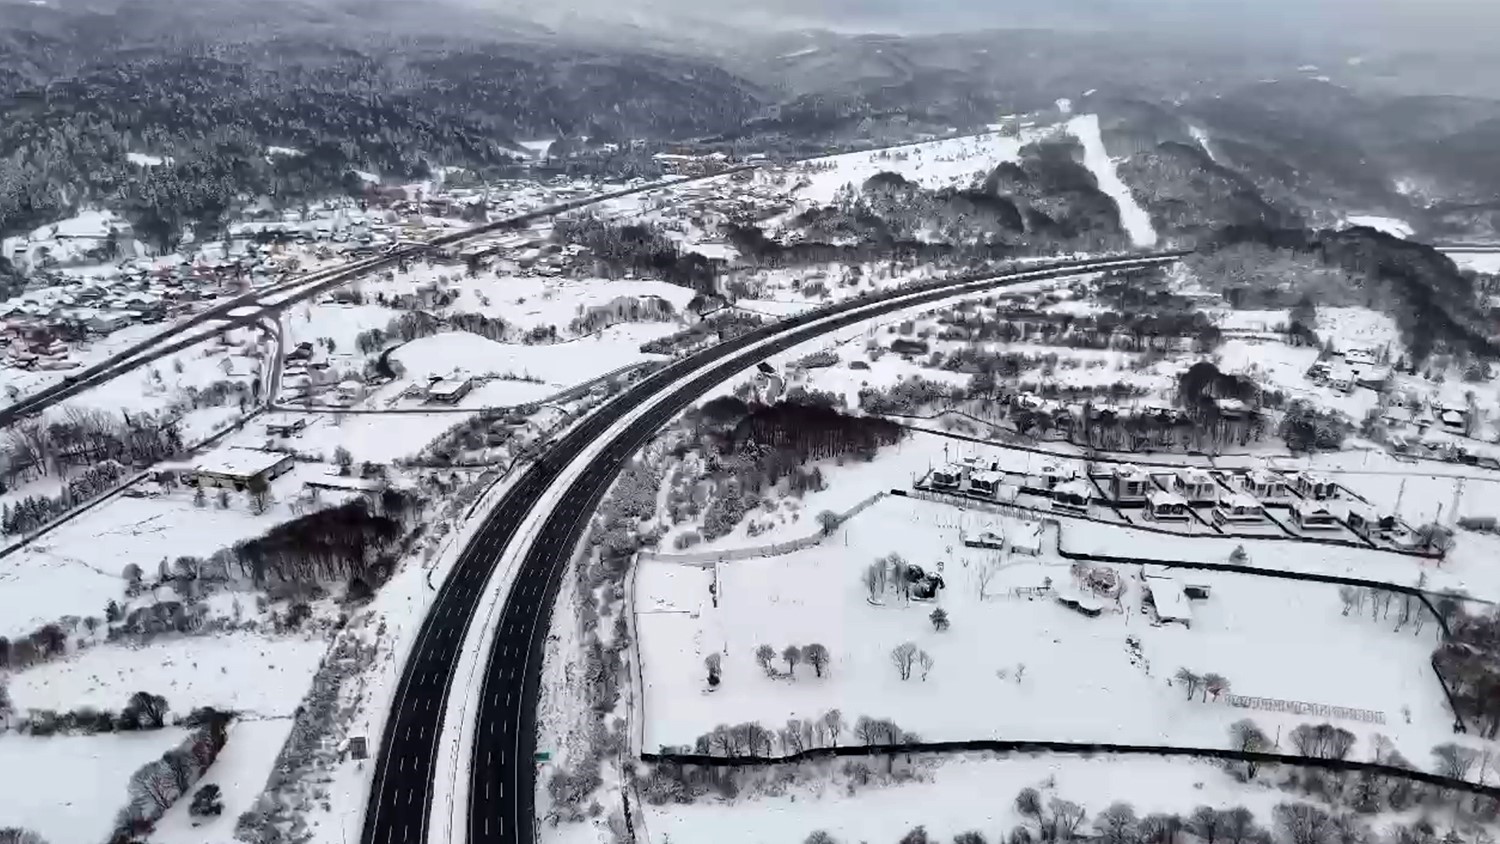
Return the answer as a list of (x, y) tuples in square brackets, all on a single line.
[(236, 468)]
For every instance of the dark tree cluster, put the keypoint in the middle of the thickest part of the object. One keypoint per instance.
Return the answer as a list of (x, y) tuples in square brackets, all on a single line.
[(155, 786), (640, 248), (907, 397), (46, 642), (814, 432), (717, 328), (1306, 427), (1469, 661), (352, 540)]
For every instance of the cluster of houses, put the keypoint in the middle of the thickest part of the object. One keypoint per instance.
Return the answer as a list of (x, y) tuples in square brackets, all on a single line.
[(1352, 369), (1227, 499)]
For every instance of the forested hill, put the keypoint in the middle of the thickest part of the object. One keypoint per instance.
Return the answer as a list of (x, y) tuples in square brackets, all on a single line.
[(210, 88)]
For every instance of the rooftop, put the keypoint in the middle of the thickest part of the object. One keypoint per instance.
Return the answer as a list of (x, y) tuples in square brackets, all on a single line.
[(239, 462)]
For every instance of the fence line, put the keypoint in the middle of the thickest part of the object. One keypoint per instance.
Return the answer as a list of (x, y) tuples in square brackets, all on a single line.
[(1298, 707), (1082, 748)]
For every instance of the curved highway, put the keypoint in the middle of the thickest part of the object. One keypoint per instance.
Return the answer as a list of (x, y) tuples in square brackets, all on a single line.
[(502, 785)]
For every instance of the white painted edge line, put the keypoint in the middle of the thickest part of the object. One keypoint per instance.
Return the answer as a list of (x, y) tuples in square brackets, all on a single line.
[(475, 650)]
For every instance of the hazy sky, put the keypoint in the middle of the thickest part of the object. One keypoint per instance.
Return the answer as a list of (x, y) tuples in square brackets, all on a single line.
[(1394, 19)]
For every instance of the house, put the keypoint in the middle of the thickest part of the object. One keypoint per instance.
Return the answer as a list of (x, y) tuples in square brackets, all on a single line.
[(984, 539), (1371, 525), (1315, 487), (1164, 506), (1196, 485), (235, 468), (303, 351), (1240, 509), (985, 483), (1026, 538), (1128, 485), (1312, 515), (449, 390), (349, 391), (1265, 485), (1454, 419), (946, 478), (106, 322), (1073, 497), (1166, 596), (286, 427), (1053, 475)]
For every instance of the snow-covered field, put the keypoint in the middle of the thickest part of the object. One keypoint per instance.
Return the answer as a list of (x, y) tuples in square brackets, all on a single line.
[(936, 164), (68, 788), (1390, 225), (240, 772), (957, 794), (76, 569), (1080, 680), (1485, 262), (256, 675)]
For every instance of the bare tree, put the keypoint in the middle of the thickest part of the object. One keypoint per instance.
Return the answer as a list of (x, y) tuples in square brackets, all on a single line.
[(874, 579), (925, 660), (793, 655), (868, 731), (792, 736), (714, 663), (972, 836), (1189, 679), (939, 619), (1455, 760), (1214, 684), (1246, 736), (833, 726), (1349, 595), (764, 655), (984, 575), (1160, 828), (1238, 825), (1117, 824), (815, 655), (1207, 823), (902, 656), (1029, 805), (820, 837), (1302, 823), (1067, 816)]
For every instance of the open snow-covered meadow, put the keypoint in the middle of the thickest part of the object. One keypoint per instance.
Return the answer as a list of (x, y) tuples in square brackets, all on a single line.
[(1013, 665)]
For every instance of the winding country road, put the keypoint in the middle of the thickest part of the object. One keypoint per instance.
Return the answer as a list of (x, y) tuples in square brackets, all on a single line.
[(502, 783)]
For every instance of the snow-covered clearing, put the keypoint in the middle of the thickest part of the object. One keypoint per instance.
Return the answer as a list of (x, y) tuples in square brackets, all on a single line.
[(240, 772), (76, 569), (1390, 225), (934, 164), (141, 159), (1484, 262), (558, 365), (956, 794), (68, 788), (254, 674), (1133, 217), (1075, 667)]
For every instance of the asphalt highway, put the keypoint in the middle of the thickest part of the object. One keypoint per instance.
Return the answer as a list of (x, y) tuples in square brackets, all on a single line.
[(503, 774)]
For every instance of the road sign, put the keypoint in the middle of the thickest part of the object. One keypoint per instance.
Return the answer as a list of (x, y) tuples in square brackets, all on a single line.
[(542, 756)]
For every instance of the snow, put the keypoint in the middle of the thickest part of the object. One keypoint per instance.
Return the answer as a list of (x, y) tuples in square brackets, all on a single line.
[(956, 794), (1133, 217), (69, 572), (240, 772), (367, 176), (936, 164), (1201, 136), (287, 151), (254, 674), (69, 788), (1076, 667), (143, 160), (1390, 225), (539, 148), (1484, 262), (559, 365)]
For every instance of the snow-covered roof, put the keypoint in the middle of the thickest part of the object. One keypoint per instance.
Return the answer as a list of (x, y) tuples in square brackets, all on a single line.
[(987, 477), (1240, 499), (1160, 498), (1080, 488), (1194, 476), (239, 462), (1309, 508), (1129, 470), (1171, 603)]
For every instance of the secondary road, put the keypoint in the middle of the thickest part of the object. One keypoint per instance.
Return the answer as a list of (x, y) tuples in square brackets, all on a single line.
[(502, 774)]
